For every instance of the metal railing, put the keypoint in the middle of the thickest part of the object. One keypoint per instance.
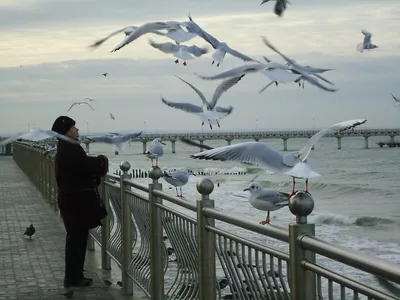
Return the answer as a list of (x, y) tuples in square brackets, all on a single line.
[(211, 254), (6, 149)]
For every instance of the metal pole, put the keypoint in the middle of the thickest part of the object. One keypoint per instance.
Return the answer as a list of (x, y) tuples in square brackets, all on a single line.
[(302, 282), (105, 229), (156, 237), (126, 233), (206, 243)]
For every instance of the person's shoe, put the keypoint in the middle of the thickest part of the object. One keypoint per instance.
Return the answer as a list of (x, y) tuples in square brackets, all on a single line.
[(82, 282)]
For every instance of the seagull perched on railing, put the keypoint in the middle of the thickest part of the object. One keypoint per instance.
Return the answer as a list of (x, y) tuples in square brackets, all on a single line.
[(80, 103), (178, 178), (293, 164), (266, 199), (156, 151)]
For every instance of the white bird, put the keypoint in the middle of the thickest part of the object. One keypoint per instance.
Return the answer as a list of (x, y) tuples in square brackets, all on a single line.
[(112, 116), (150, 27), (182, 52), (293, 164), (117, 140), (221, 47), (208, 111), (178, 178), (280, 6), (295, 67), (35, 134), (80, 103), (266, 199), (156, 151), (366, 44)]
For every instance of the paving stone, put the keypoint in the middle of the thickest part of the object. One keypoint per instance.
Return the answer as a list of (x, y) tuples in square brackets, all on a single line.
[(34, 268)]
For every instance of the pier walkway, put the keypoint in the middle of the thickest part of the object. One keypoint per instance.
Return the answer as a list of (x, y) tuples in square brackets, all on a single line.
[(32, 269)]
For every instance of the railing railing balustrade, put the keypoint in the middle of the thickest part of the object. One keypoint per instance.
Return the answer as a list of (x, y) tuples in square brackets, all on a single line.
[(178, 249)]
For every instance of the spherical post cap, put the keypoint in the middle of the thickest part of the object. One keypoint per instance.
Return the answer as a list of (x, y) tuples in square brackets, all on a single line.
[(124, 166), (301, 204), (205, 186), (156, 173)]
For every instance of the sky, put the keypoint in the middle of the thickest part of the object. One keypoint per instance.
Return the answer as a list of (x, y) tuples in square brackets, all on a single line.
[(46, 64)]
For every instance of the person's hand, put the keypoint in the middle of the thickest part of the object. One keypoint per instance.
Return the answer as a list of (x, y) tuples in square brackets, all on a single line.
[(104, 163)]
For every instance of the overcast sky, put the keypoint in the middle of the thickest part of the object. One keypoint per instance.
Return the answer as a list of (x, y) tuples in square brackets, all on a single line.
[(46, 64)]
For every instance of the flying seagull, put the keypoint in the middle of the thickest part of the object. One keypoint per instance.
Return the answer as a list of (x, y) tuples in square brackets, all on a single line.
[(80, 103), (208, 111), (293, 164)]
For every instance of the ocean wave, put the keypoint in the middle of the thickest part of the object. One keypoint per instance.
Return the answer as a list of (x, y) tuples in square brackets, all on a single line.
[(332, 219)]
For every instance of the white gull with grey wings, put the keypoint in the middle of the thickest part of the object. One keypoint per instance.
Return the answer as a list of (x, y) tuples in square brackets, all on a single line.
[(178, 178), (266, 199), (208, 112), (156, 151), (293, 164)]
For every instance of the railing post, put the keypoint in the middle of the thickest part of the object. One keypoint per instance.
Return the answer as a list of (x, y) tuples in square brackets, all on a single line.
[(105, 229), (302, 282), (126, 232), (206, 243), (156, 237)]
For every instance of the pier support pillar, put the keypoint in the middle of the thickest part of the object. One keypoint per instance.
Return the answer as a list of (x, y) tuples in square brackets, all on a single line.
[(229, 141), (144, 147), (339, 142), (201, 143), (366, 142), (285, 144), (392, 138), (173, 143), (257, 139)]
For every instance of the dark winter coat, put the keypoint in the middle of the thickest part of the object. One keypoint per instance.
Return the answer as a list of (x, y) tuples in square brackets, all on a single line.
[(77, 177)]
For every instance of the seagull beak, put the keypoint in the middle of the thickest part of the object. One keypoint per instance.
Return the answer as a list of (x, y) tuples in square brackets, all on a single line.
[(246, 189)]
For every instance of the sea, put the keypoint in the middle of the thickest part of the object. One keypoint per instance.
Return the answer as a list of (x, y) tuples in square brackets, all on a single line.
[(357, 196)]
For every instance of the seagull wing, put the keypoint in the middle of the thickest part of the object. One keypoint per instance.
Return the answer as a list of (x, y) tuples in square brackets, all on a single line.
[(339, 127), (72, 105), (224, 110), (265, 87), (101, 41), (367, 37), (187, 107), (255, 153), (396, 99), (235, 72), (88, 105), (237, 54), (197, 51), (223, 87), (38, 135), (129, 136), (165, 47), (203, 99)]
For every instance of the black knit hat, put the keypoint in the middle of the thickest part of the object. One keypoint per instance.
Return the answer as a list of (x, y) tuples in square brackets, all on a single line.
[(62, 124)]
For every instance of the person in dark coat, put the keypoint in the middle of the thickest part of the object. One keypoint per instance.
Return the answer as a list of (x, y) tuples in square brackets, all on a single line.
[(77, 176)]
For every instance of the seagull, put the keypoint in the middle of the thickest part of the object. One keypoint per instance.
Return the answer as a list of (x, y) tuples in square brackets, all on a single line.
[(208, 111), (178, 178), (295, 67), (266, 199), (293, 164), (396, 99), (30, 231), (117, 140), (146, 28), (156, 151), (280, 6), (182, 52), (90, 99), (105, 74), (366, 44), (111, 116), (35, 134), (79, 103), (221, 47)]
